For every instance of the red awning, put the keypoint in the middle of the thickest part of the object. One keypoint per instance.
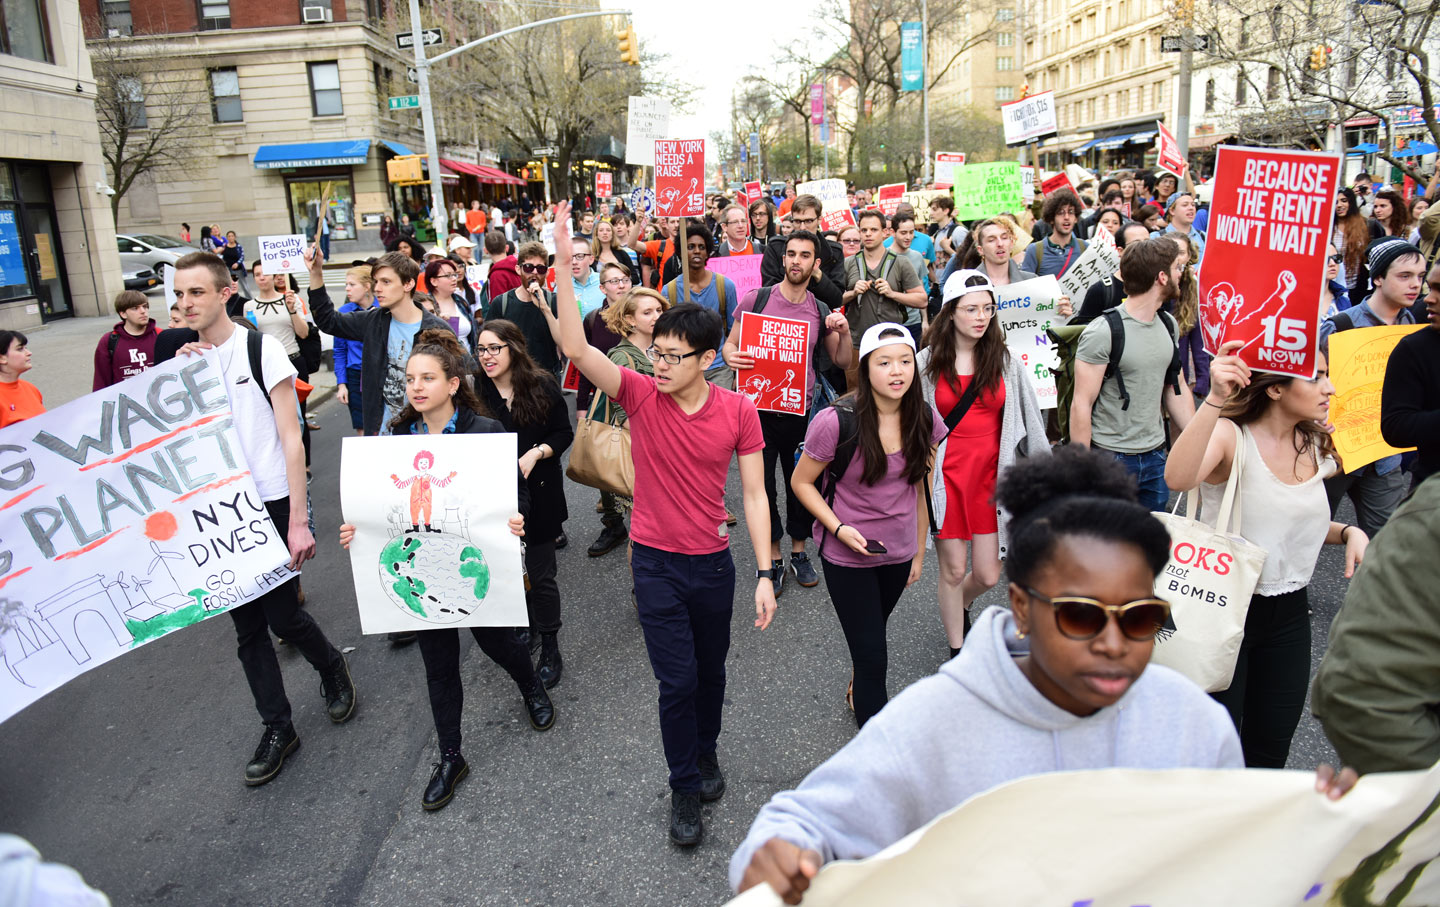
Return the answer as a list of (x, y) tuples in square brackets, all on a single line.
[(500, 176), (482, 173)]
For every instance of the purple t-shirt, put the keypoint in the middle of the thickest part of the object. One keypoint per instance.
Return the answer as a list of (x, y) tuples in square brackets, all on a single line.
[(884, 512), (780, 307)]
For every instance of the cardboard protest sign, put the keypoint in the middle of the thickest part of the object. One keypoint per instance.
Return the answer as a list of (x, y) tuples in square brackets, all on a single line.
[(604, 184), (742, 270), (679, 177), (985, 190), (1357, 369), (888, 198), (1053, 184), (1026, 311), (1270, 216), (835, 210), (1027, 185), (1097, 264), (130, 514), (1079, 176), (432, 548), (945, 164), (920, 202), (1202, 838), (1167, 151), (781, 348), (648, 119), (477, 274), (284, 254), (1029, 118), (753, 192)]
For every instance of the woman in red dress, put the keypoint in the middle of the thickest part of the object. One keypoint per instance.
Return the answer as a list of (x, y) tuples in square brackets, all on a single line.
[(965, 345)]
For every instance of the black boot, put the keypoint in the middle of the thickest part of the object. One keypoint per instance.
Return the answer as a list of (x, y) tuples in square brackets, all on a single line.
[(538, 705), (338, 689), (401, 637), (612, 536), (712, 780), (449, 771), (686, 826), (275, 745), (550, 666)]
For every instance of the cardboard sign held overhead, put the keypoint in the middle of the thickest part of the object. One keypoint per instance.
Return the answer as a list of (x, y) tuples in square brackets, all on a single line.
[(835, 210), (1270, 216), (753, 191), (1055, 184), (679, 177), (604, 184), (888, 198), (284, 254), (1029, 118), (945, 164), (648, 120), (985, 190), (1357, 369)]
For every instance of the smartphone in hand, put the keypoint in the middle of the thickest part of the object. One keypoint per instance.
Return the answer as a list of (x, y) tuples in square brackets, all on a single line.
[(875, 547)]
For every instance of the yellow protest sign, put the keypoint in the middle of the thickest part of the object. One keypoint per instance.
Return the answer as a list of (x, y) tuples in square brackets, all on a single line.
[(1357, 369)]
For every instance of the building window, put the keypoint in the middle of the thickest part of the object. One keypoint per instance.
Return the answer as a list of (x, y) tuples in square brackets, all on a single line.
[(130, 95), (1244, 40), (1004, 92), (1210, 96), (325, 90), (1005, 39), (1277, 19), (1241, 88), (1005, 14), (1272, 84), (1004, 64), (24, 31), (1157, 99), (117, 18), (225, 95), (214, 14)]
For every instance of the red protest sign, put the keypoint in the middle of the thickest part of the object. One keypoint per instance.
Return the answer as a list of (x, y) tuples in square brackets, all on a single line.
[(888, 198), (1168, 156), (752, 191), (945, 163), (1055, 184), (679, 177), (1265, 255), (604, 184), (837, 220), (781, 349)]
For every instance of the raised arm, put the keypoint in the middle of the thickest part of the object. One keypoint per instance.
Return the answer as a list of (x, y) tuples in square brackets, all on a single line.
[(593, 364), (350, 325), (1201, 454)]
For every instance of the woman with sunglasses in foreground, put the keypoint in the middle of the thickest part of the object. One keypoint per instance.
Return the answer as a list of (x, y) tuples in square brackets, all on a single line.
[(1060, 683), (1284, 510)]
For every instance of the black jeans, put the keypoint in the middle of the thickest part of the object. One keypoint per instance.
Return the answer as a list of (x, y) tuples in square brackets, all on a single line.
[(863, 598), (1267, 696), (441, 651), (543, 599), (278, 610), (685, 603), (784, 434)]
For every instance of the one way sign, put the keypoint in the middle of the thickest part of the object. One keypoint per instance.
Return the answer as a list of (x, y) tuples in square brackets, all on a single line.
[(406, 39)]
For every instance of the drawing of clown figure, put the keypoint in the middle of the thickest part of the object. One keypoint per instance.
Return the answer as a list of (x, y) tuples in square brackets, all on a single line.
[(421, 485)]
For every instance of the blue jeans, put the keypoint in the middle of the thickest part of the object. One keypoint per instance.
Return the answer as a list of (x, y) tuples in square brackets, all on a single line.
[(1149, 470), (685, 603)]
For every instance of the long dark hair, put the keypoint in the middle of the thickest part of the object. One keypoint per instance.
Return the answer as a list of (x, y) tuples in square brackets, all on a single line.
[(992, 356), (1399, 223), (916, 426), (444, 347), (1250, 403), (1354, 232), (532, 385), (772, 226)]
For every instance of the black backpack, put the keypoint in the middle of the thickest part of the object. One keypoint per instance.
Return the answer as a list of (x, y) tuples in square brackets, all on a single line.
[(1117, 350)]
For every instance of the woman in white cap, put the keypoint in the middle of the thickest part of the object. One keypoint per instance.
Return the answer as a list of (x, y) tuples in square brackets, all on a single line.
[(875, 446), (991, 411)]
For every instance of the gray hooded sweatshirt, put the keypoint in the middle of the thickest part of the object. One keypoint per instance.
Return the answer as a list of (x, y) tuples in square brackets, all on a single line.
[(976, 725)]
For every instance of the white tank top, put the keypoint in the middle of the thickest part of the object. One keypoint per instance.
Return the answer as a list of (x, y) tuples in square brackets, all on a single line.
[(1289, 521)]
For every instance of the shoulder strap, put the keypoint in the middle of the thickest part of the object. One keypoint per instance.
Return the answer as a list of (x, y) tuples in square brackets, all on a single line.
[(1172, 371), (967, 400), (762, 298), (253, 344), (722, 297), (672, 293), (114, 341), (847, 440), (1117, 350)]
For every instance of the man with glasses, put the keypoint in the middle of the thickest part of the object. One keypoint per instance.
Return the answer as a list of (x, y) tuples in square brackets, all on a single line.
[(736, 239), (531, 308), (704, 287), (586, 282), (827, 281)]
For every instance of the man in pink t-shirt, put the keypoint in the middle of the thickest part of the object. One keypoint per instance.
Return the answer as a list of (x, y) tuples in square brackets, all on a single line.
[(683, 432)]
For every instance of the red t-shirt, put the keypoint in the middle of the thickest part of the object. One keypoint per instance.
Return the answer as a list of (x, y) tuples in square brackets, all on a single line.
[(21, 400), (681, 463)]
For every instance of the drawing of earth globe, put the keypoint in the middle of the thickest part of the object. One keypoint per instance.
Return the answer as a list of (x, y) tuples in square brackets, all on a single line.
[(435, 576)]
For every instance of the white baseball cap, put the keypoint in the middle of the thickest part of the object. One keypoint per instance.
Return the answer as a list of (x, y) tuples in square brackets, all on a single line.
[(459, 242), (955, 284), (872, 340), (437, 252)]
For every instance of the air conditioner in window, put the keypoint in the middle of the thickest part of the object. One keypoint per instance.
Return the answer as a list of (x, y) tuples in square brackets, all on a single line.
[(313, 14)]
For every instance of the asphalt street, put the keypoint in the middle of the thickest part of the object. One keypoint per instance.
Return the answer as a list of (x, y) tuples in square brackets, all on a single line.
[(132, 772)]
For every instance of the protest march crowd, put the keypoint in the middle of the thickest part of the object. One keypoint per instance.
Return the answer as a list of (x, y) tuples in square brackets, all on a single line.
[(911, 426)]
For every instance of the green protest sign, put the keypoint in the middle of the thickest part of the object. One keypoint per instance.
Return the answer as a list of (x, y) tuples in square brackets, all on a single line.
[(985, 190)]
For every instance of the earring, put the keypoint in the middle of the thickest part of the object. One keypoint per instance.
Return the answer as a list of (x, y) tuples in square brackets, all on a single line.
[(1020, 634)]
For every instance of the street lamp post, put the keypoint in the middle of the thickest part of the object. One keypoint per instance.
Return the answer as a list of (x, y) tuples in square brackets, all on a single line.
[(924, 83)]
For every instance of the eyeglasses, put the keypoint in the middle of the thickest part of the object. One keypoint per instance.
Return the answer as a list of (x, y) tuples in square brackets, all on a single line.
[(850, 242), (493, 350), (579, 256), (533, 269), (616, 282), (1337, 258), (1082, 619), (446, 273), (803, 222), (970, 311), (655, 355)]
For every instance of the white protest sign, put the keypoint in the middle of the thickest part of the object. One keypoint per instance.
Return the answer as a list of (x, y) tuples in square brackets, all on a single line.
[(834, 206), (1029, 118), (1027, 185), (283, 254), (945, 162), (1026, 311), (1199, 838), (1097, 264), (547, 236), (648, 120), (432, 548), (131, 513), (167, 280), (477, 274)]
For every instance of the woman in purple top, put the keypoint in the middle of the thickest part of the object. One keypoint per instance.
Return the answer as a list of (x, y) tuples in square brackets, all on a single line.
[(876, 446)]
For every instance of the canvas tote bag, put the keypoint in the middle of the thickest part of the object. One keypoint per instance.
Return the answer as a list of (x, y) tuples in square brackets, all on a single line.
[(600, 453)]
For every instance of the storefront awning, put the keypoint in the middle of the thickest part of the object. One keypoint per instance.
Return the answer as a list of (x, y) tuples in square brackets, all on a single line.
[(1416, 149), (396, 147), (501, 177), (1363, 148), (1209, 140), (482, 173), (1117, 141), (313, 154)]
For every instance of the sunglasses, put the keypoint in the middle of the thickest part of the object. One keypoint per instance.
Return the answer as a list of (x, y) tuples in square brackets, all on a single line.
[(1083, 619), (1336, 259), (533, 269)]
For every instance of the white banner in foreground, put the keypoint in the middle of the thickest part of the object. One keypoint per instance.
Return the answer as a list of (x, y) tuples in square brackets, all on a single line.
[(432, 548), (1187, 838), (127, 514)]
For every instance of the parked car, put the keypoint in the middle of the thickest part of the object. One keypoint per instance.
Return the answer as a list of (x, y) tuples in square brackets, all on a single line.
[(149, 250), (141, 279)]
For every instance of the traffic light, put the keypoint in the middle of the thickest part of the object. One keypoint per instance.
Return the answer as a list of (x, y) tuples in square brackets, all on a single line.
[(1319, 57), (629, 47)]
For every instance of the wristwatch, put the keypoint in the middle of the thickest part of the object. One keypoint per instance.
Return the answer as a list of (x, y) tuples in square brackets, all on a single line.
[(765, 574)]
